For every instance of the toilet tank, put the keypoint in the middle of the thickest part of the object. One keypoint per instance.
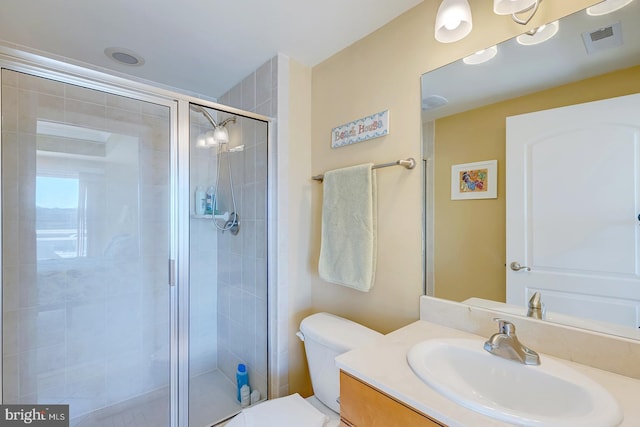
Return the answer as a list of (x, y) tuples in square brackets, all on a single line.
[(325, 337)]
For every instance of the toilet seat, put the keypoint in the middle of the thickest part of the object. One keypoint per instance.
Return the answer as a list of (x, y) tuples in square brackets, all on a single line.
[(288, 411)]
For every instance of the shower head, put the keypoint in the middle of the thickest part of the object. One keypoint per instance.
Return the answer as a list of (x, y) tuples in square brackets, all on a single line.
[(220, 133), (226, 121)]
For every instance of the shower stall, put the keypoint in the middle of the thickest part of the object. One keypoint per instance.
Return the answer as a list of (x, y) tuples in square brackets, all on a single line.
[(228, 262), (119, 297)]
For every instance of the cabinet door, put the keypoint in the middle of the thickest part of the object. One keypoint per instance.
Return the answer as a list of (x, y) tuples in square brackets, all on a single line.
[(363, 406)]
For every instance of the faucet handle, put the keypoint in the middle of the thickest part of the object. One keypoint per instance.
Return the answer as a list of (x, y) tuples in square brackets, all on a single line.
[(536, 306), (505, 327), (535, 301)]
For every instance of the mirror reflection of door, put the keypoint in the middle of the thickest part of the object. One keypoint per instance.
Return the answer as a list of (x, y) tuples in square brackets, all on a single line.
[(573, 200)]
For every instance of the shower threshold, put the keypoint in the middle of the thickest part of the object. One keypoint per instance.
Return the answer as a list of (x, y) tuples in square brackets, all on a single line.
[(212, 399)]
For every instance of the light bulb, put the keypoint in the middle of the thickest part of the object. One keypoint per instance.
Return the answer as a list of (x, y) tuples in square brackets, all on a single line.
[(452, 19), (452, 25)]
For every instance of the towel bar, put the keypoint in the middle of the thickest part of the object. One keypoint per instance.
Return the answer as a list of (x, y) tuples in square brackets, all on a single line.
[(409, 163)]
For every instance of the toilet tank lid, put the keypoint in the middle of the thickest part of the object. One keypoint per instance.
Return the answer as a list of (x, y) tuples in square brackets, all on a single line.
[(337, 332)]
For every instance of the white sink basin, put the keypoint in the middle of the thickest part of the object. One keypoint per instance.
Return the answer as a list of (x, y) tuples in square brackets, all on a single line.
[(549, 395)]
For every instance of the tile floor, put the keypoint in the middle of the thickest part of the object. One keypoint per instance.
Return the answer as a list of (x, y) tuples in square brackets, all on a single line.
[(212, 400)]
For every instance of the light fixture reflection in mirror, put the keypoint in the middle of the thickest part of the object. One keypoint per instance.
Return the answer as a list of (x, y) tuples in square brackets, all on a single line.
[(516, 72), (481, 56), (539, 35), (607, 6)]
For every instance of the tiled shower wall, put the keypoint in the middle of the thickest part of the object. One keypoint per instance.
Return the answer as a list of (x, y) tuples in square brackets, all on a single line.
[(203, 257), (242, 275)]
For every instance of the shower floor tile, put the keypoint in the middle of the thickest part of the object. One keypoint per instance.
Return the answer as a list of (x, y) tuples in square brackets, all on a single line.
[(212, 399), (142, 411)]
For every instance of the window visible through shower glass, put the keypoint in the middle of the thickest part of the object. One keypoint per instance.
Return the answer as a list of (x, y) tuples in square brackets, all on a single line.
[(57, 233), (85, 244)]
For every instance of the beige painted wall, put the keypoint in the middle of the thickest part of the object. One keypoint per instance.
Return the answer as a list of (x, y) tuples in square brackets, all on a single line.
[(300, 187), (474, 231), (382, 71)]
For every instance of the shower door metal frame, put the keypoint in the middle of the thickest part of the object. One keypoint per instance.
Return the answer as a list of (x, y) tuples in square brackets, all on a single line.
[(178, 264), (184, 200)]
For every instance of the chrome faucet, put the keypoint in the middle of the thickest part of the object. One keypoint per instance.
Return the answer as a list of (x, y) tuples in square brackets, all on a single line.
[(505, 344), (536, 306)]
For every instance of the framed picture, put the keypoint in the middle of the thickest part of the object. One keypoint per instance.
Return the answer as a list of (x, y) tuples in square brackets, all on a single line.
[(477, 180)]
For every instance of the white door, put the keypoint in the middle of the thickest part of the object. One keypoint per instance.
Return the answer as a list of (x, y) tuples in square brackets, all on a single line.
[(573, 209)]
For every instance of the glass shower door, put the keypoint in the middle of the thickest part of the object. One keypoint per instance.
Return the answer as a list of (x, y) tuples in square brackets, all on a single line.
[(227, 263), (85, 246)]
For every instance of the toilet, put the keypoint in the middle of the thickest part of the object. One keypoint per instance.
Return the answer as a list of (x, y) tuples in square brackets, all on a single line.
[(325, 336)]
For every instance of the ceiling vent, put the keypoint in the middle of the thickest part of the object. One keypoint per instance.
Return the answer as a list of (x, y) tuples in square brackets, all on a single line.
[(603, 38), (433, 101), (124, 56)]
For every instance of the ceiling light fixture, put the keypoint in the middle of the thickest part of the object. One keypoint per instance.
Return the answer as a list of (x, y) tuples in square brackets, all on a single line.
[(453, 21), (481, 56), (124, 56), (515, 8), (607, 6), (539, 35)]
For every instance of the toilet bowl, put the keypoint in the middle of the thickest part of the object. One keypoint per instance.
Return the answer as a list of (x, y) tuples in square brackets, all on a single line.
[(325, 336)]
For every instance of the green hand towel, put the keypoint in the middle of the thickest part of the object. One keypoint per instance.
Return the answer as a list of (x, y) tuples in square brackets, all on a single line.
[(348, 245)]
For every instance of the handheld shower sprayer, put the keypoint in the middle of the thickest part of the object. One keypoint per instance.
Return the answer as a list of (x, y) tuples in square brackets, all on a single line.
[(219, 137)]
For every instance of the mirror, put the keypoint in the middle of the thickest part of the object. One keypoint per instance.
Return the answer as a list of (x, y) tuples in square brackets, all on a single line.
[(465, 240)]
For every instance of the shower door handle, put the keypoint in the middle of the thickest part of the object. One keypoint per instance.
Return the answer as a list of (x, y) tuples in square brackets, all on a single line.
[(172, 272)]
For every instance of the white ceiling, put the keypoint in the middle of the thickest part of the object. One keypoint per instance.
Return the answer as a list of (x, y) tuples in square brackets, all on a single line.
[(201, 46)]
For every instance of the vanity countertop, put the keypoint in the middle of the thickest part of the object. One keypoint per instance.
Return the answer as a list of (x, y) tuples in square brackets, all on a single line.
[(384, 366)]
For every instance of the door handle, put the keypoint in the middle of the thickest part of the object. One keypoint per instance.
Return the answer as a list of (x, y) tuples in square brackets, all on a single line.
[(515, 266)]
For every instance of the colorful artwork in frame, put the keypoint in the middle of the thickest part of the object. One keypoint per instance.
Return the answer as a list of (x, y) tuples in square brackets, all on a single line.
[(477, 180)]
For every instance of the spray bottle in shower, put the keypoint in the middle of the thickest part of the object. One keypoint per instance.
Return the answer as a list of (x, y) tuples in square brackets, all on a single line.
[(210, 203)]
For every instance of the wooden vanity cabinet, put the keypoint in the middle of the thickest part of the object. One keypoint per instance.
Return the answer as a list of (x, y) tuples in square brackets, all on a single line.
[(364, 406)]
